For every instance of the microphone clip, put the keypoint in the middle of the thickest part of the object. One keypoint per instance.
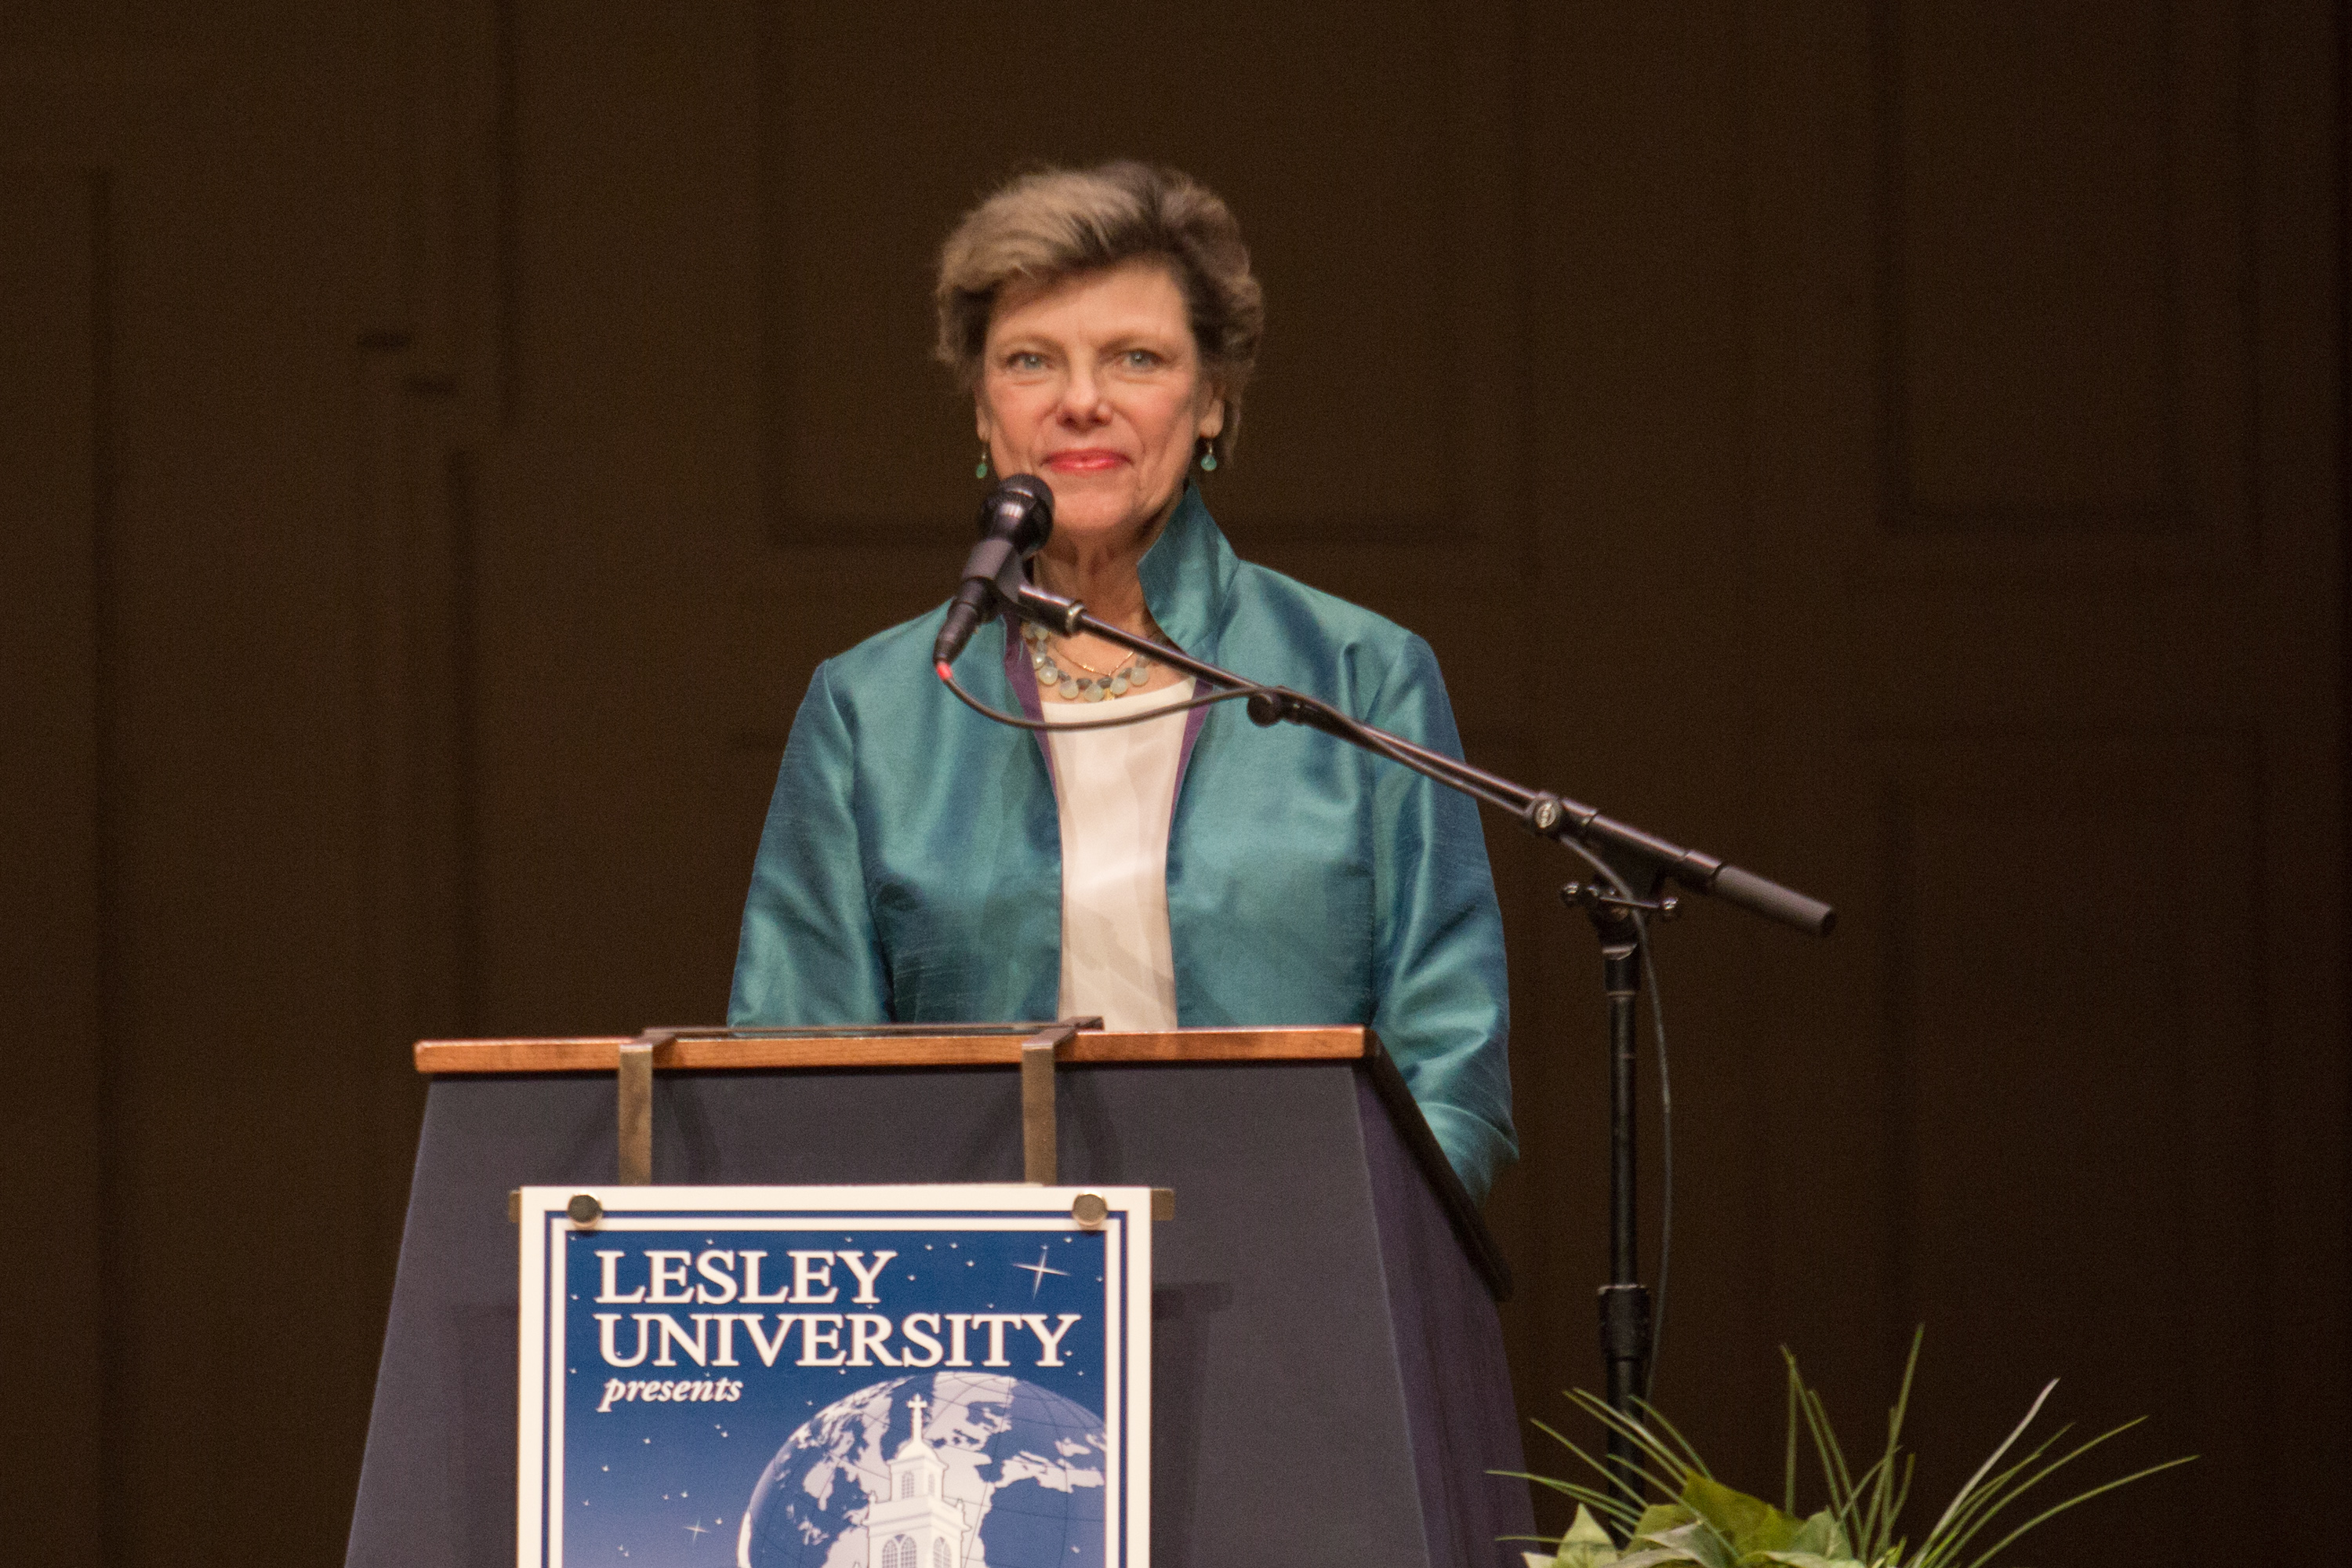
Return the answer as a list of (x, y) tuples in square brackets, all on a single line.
[(1590, 896), (1049, 610)]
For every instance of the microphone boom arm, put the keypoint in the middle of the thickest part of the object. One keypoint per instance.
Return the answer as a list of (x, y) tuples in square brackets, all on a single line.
[(1545, 814)]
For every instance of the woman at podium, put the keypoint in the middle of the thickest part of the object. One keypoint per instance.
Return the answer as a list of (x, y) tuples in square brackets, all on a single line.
[(921, 863)]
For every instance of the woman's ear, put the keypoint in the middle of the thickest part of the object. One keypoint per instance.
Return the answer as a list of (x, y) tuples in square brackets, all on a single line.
[(1213, 422)]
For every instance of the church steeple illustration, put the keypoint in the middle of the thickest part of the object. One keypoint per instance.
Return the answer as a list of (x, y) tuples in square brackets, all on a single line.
[(917, 1526)]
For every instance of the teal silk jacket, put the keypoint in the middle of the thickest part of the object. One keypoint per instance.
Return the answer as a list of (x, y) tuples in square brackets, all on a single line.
[(910, 871)]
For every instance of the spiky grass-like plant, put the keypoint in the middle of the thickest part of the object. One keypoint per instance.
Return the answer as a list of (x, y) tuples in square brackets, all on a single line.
[(1710, 1524)]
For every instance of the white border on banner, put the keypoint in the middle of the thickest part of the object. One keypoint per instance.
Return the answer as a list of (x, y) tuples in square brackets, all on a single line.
[(1127, 1286)]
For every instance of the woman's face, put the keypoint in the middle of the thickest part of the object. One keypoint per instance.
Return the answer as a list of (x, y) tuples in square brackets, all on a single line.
[(1094, 383)]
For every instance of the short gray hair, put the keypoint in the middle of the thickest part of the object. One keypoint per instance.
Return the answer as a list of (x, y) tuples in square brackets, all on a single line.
[(1052, 223)]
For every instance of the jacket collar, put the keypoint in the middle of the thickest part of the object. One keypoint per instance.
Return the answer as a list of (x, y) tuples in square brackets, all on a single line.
[(1186, 575)]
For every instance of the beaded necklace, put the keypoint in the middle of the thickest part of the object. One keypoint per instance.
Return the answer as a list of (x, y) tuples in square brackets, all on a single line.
[(1092, 688)]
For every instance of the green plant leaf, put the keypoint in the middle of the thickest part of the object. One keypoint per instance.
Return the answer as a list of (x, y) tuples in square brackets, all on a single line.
[(2079, 1498), (1586, 1544), (1840, 1480), (1610, 1504), (1698, 1542), (1820, 1536), (1887, 1493), (1601, 1411), (1586, 1530), (1975, 1510), (1658, 1462), (1789, 1474), (1689, 1457), (1969, 1488), (1751, 1524), (1660, 1517), (1804, 1560), (1585, 1557)]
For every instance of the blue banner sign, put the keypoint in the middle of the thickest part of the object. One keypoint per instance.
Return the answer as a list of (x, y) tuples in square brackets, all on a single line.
[(835, 1377)]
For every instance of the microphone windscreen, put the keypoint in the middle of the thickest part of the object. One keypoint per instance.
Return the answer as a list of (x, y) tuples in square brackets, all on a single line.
[(1020, 511)]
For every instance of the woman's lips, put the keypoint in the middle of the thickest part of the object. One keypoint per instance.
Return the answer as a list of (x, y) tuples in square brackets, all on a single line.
[(1084, 460)]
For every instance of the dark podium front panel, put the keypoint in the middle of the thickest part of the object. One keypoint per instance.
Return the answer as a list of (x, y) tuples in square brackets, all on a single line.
[(1327, 1376)]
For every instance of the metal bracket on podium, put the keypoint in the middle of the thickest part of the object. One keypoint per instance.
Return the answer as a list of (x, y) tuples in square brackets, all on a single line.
[(635, 1107), (634, 1101), (1041, 1160)]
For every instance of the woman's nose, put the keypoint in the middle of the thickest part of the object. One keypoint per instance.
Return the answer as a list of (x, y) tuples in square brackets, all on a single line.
[(1082, 397)]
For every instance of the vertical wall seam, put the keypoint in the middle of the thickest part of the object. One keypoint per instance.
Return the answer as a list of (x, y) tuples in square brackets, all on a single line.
[(1900, 956), (2342, 16), (114, 1253), (1886, 181), (462, 478), (505, 264)]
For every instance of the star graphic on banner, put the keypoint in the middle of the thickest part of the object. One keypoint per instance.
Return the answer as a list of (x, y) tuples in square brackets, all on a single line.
[(1038, 1271), (696, 1531)]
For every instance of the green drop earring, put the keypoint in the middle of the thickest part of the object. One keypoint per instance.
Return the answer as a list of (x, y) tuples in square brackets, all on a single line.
[(1208, 456), (981, 472)]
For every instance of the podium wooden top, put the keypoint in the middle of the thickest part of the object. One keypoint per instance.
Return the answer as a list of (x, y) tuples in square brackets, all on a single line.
[(688, 1050)]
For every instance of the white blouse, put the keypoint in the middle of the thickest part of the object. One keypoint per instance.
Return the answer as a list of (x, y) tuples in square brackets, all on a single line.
[(1117, 790)]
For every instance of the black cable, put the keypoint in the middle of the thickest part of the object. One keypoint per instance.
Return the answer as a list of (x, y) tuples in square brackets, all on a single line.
[(1665, 1166), (1022, 721), (1361, 733)]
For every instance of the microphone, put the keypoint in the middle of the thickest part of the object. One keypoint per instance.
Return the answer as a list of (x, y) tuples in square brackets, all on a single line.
[(1016, 520)]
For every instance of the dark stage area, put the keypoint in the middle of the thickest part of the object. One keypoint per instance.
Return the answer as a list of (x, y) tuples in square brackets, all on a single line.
[(1899, 446)]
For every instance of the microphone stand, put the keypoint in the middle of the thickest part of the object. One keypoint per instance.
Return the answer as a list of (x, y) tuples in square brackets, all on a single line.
[(1636, 866)]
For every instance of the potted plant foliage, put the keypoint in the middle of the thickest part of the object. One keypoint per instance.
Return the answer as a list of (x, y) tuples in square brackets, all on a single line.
[(1710, 1524)]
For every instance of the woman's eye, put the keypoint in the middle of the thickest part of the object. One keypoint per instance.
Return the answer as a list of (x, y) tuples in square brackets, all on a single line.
[(1141, 359), (1025, 360)]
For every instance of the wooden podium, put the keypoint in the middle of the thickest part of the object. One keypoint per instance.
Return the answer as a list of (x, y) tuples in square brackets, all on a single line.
[(1328, 1378)]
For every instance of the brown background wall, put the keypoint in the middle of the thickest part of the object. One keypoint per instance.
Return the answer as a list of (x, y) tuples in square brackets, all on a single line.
[(1897, 444)]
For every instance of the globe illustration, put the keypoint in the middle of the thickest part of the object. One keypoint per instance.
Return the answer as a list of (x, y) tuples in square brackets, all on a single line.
[(953, 1469)]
